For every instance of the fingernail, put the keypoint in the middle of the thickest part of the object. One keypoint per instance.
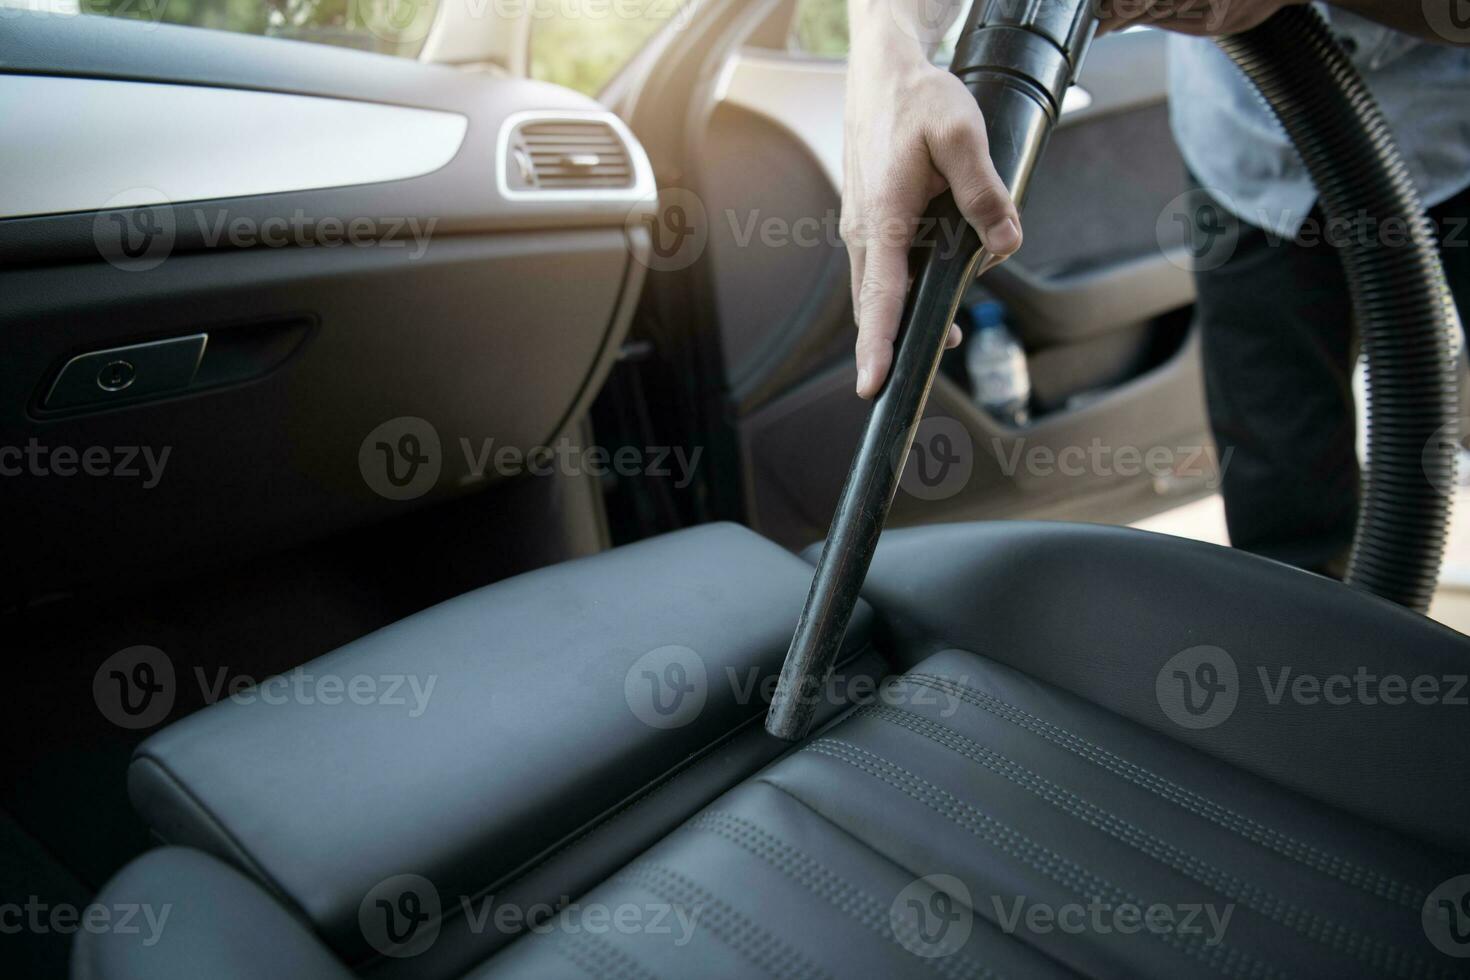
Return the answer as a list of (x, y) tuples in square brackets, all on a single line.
[(1003, 237), (862, 383)]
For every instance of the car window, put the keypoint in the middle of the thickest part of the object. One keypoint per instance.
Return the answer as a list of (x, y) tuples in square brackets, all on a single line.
[(396, 27), (582, 43), (819, 27)]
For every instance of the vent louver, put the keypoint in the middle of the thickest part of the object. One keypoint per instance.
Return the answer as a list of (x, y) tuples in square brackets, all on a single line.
[(568, 154)]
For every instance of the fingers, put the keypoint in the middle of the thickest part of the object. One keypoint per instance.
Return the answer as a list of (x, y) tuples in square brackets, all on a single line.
[(880, 304), (878, 329), (887, 183), (878, 308), (851, 214), (961, 153)]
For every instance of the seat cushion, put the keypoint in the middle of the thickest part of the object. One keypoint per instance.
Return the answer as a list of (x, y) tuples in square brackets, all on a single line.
[(517, 743), (1031, 798), (179, 914), (974, 821), (1322, 688)]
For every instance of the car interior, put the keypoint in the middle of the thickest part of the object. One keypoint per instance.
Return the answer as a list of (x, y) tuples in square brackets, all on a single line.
[(418, 449)]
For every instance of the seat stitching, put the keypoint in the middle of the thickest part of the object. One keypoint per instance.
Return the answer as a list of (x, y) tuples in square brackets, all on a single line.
[(734, 928), (1343, 869), (980, 918), (599, 958), (828, 885), (1321, 928), (1013, 843)]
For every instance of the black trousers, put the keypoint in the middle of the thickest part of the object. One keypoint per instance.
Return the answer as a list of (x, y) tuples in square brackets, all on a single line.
[(1279, 349)]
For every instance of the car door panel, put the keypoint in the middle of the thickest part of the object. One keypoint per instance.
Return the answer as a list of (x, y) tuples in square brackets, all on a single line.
[(1099, 295)]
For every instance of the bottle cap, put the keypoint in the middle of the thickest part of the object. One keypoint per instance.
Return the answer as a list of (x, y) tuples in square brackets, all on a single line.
[(988, 313)]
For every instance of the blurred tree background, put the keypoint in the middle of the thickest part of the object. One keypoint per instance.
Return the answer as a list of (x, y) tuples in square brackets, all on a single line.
[(386, 26), (583, 49), (577, 43), (821, 27)]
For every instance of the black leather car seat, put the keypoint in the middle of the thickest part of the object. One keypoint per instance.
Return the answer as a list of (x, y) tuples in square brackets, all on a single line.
[(1098, 758)]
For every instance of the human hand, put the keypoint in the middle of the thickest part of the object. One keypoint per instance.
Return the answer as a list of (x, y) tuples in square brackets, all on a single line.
[(911, 131)]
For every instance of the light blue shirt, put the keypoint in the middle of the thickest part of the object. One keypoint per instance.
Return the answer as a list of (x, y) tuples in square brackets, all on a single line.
[(1236, 148)]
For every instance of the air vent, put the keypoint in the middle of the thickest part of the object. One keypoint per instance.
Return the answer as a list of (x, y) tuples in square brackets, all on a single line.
[(568, 155)]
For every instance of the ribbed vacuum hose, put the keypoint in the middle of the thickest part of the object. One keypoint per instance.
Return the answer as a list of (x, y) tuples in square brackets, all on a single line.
[(1405, 313)]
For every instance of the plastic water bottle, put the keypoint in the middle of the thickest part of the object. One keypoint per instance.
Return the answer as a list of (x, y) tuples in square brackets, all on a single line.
[(996, 362)]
